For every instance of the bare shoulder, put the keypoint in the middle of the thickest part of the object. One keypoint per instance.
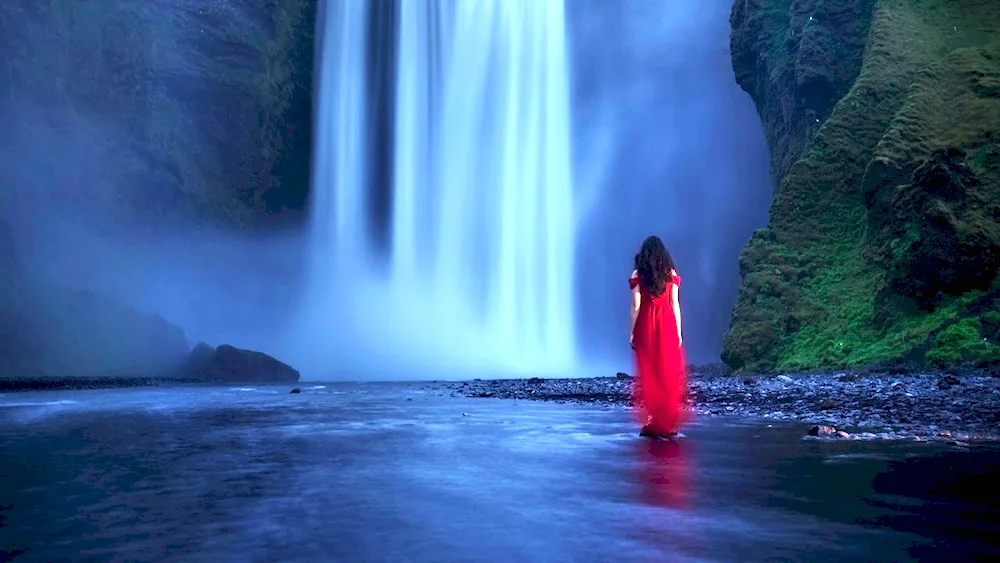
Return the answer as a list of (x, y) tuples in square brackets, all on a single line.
[(635, 275)]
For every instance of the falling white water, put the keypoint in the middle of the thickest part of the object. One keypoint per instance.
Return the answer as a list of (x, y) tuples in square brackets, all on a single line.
[(479, 272)]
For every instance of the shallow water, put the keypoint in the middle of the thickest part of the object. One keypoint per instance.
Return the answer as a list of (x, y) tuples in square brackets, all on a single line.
[(400, 472)]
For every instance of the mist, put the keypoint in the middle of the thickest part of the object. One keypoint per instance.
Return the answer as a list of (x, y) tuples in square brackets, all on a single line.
[(71, 227), (662, 138), (663, 142), (666, 144)]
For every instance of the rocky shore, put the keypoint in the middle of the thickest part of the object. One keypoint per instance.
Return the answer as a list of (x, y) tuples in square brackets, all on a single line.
[(850, 405), (51, 383), (204, 364)]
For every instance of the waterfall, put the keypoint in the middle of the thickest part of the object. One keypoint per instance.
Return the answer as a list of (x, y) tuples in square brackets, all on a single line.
[(446, 239)]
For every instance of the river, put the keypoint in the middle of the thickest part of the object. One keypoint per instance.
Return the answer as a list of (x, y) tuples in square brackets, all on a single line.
[(405, 472)]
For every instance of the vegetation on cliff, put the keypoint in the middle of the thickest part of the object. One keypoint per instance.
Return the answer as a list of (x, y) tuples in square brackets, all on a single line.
[(883, 244)]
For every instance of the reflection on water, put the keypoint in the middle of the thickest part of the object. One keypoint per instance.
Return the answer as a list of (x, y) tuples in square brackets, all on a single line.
[(401, 473), (952, 497), (664, 473)]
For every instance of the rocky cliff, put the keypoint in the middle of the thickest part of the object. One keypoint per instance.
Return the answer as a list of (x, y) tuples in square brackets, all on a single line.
[(141, 113), (192, 109), (883, 242)]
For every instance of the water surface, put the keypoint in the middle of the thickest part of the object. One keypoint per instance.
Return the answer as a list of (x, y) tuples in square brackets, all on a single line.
[(403, 472)]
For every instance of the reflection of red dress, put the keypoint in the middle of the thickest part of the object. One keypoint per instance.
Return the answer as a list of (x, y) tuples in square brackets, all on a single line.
[(665, 478), (660, 379)]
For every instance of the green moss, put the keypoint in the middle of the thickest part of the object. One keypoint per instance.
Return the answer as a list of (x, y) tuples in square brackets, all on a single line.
[(991, 325), (963, 343), (777, 25), (857, 223)]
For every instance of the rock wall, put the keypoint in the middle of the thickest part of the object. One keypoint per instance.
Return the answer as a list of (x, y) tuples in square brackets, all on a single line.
[(883, 242), (49, 330), (199, 110), (140, 113)]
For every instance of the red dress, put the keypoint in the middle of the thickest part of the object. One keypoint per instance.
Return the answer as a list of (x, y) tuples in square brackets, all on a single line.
[(660, 382)]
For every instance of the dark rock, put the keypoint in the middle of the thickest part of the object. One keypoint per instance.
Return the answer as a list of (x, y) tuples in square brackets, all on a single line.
[(623, 376), (822, 430), (937, 207), (535, 381), (197, 359), (296, 390), (948, 381), (234, 365), (912, 400), (48, 383), (796, 67), (829, 404)]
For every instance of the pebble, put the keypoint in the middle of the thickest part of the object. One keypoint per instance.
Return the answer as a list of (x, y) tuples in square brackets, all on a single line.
[(856, 405)]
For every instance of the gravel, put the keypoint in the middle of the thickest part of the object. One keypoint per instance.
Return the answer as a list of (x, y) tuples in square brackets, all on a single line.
[(11, 384), (847, 405)]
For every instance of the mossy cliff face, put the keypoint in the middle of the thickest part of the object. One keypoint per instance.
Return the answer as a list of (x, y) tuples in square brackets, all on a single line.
[(200, 109), (883, 243)]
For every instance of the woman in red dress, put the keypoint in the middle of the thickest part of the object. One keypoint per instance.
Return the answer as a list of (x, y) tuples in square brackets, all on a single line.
[(660, 382)]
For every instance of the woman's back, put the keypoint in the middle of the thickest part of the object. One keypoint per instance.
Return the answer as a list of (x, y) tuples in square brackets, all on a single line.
[(649, 296)]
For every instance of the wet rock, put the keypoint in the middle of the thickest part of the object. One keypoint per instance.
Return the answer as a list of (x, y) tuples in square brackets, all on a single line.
[(948, 381), (48, 383), (296, 390), (536, 381), (623, 376), (785, 379), (822, 430), (228, 364), (829, 404), (877, 401)]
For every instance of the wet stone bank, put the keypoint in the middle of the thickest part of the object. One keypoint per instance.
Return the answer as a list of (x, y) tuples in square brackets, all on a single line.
[(852, 405)]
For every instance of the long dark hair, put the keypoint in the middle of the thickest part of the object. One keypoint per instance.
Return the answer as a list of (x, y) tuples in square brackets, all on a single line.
[(654, 265)]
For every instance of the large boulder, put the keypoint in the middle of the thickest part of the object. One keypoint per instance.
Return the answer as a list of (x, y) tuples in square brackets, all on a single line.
[(228, 364)]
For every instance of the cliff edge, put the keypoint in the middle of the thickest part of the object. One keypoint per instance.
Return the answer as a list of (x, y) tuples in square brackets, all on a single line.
[(883, 240)]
